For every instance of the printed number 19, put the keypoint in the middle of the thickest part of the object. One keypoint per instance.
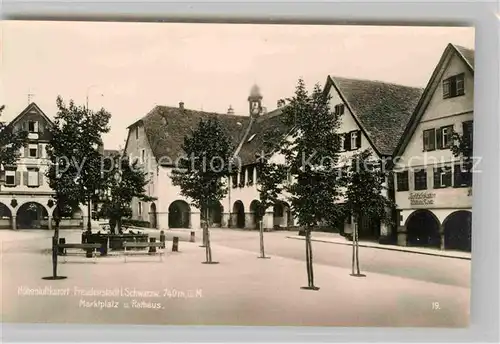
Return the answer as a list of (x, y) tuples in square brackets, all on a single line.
[(435, 305)]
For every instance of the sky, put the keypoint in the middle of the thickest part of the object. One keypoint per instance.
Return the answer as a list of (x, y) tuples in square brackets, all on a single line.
[(128, 68)]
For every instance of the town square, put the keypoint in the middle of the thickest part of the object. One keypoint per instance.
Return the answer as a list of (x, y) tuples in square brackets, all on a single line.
[(332, 197)]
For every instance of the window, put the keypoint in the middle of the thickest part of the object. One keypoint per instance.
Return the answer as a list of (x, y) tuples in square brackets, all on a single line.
[(402, 181), (442, 177), (242, 178), (33, 180), (250, 175), (354, 140), (140, 208), (444, 137), (467, 132), (462, 176), (137, 133), (420, 182), (33, 126), (339, 109), (429, 140), (234, 179), (33, 150), (454, 86), (143, 156), (10, 178)]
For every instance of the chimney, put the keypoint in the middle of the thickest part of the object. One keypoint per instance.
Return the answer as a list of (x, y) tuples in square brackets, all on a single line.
[(181, 105), (230, 111)]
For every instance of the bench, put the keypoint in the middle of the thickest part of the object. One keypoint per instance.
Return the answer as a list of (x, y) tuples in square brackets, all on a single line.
[(131, 245), (85, 247)]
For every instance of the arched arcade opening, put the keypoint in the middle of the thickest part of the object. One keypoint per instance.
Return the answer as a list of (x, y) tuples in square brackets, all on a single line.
[(458, 231), (5, 217), (422, 228), (31, 215), (179, 214), (239, 214)]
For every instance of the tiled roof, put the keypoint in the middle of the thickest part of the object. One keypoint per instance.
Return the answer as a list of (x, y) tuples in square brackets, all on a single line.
[(267, 127), (382, 109), (166, 127), (467, 53)]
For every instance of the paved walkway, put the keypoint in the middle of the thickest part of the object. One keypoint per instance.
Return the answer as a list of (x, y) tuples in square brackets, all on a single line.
[(240, 290), (333, 238)]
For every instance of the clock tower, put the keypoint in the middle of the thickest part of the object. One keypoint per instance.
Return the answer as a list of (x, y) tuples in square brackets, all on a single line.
[(255, 101)]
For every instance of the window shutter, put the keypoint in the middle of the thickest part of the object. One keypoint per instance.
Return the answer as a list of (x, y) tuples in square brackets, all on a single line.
[(358, 139), (447, 177), (26, 151), (432, 139), (18, 178), (39, 151), (40, 127), (425, 140), (437, 178), (25, 178), (347, 142), (342, 107), (40, 178), (439, 138)]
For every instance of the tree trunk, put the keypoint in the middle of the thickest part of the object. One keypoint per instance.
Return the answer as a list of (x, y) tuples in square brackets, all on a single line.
[(353, 248), (308, 266), (311, 270), (55, 241), (261, 234), (357, 249), (89, 211), (206, 240)]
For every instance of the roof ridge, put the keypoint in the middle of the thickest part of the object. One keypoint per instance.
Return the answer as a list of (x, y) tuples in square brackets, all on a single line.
[(375, 81)]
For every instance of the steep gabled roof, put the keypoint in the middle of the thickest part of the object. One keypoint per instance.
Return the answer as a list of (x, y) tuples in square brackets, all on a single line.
[(381, 110), (165, 128), (467, 56), (32, 106)]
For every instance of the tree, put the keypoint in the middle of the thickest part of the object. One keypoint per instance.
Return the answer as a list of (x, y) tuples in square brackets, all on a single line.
[(11, 142), (270, 177), (77, 137), (74, 170), (311, 155), (125, 180), (365, 185), (201, 173)]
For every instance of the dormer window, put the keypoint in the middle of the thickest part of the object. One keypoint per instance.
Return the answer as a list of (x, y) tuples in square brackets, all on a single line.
[(454, 86), (32, 126)]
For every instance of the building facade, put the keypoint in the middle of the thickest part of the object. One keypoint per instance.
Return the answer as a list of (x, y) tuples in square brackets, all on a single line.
[(433, 187), (26, 197)]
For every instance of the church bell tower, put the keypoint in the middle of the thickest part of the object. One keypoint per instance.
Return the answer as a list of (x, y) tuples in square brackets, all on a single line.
[(255, 102)]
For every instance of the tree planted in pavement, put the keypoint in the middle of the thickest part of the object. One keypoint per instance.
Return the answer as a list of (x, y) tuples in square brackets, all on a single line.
[(312, 154), (202, 172), (365, 197)]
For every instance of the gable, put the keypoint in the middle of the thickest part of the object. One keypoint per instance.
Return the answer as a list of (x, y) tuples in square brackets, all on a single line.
[(438, 106), (455, 59), (33, 119), (381, 110)]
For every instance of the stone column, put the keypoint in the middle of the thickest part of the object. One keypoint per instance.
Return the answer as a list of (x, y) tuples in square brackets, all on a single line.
[(162, 218), (195, 221), (402, 240), (268, 220), (225, 220), (249, 220), (441, 234), (49, 223), (13, 222)]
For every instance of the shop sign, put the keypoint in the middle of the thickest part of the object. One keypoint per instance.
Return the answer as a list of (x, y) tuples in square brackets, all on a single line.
[(422, 198)]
